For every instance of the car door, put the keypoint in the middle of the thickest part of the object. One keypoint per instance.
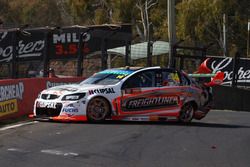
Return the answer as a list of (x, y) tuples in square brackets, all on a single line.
[(145, 94)]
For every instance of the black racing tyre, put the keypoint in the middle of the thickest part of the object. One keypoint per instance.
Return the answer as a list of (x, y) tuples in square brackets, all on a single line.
[(98, 109), (186, 113)]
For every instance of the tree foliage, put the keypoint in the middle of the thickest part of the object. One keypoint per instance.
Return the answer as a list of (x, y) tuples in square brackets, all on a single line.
[(199, 22)]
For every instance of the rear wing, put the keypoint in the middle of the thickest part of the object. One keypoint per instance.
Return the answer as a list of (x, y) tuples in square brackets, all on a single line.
[(216, 78), (204, 72)]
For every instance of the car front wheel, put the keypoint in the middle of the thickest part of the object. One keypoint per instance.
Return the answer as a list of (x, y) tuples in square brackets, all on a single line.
[(98, 109)]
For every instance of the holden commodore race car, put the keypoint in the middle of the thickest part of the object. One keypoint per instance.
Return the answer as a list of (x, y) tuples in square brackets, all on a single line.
[(136, 94)]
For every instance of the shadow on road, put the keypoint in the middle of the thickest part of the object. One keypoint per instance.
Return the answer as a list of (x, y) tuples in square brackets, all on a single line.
[(143, 123), (217, 125)]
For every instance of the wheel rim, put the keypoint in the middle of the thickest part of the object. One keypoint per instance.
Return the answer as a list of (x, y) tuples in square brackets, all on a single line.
[(97, 109), (187, 113)]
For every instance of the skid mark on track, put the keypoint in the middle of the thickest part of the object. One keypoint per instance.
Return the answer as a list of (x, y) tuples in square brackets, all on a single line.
[(60, 153), (18, 150)]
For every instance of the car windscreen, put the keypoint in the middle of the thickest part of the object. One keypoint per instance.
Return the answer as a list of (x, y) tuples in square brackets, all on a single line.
[(107, 77)]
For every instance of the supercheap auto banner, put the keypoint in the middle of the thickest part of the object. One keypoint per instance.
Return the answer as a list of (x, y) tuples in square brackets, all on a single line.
[(17, 96)]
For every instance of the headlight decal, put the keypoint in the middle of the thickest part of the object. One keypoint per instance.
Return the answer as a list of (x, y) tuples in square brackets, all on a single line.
[(39, 95), (73, 97)]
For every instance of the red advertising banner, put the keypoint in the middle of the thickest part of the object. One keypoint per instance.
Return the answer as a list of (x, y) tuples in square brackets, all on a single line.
[(17, 96)]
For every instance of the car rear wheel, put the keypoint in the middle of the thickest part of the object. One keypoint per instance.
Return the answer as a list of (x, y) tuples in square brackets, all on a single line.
[(98, 109), (186, 113)]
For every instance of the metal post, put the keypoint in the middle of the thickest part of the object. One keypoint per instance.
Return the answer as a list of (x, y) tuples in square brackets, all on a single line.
[(181, 63), (149, 53), (224, 35), (175, 47), (248, 37), (104, 54), (204, 53), (109, 61), (158, 60), (14, 54), (80, 54), (235, 69), (128, 53), (149, 46), (47, 35), (171, 31), (174, 56)]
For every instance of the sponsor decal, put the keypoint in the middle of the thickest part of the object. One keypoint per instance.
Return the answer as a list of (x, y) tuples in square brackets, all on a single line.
[(14, 91), (8, 107), (43, 104), (120, 76), (66, 44), (50, 84), (69, 37), (6, 54), (5, 51), (25, 50), (226, 65), (150, 102), (70, 110), (102, 91), (118, 72), (3, 35), (31, 49), (9, 94)]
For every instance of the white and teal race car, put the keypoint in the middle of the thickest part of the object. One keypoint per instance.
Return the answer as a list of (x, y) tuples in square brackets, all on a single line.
[(137, 94)]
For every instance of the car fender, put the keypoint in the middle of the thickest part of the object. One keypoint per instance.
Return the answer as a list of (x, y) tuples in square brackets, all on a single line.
[(114, 92)]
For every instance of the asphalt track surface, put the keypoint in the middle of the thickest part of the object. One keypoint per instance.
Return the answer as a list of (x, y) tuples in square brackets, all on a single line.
[(222, 139)]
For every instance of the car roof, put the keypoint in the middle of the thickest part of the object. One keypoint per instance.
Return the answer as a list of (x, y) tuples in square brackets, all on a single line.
[(129, 69), (137, 68)]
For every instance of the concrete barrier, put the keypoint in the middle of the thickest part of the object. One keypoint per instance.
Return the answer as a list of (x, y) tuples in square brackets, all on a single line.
[(17, 96), (228, 98)]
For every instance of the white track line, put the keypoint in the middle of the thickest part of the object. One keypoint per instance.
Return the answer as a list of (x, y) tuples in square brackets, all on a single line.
[(17, 125)]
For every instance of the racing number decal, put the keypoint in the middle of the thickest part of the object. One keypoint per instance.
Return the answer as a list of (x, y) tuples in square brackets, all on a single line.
[(120, 76)]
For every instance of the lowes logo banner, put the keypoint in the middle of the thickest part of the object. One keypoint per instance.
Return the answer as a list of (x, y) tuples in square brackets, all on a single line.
[(225, 65)]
